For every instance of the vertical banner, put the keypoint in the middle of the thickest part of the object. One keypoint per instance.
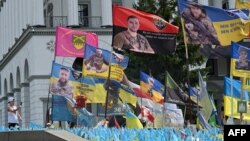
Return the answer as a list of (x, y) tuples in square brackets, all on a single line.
[(213, 28), (142, 32), (71, 43)]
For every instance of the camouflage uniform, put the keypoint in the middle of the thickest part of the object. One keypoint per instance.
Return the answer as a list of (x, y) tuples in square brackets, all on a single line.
[(125, 41), (199, 31), (64, 90), (96, 61)]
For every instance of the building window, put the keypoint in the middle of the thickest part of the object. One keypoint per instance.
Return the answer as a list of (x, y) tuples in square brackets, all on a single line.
[(83, 13)]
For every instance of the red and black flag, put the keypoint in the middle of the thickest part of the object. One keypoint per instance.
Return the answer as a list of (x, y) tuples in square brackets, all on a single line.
[(142, 32)]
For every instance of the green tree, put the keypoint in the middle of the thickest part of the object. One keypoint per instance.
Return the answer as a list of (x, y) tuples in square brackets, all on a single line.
[(157, 64)]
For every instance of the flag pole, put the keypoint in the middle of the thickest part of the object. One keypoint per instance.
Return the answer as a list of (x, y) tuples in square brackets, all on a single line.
[(241, 98), (231, 89), (48, 110), (108, 82), (165, 99), (188, 73)]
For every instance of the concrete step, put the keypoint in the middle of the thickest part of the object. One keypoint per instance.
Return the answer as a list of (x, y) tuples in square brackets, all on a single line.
[(39, 135)]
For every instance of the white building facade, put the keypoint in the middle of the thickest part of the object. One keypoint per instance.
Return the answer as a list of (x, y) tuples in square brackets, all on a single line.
[(27, 32)]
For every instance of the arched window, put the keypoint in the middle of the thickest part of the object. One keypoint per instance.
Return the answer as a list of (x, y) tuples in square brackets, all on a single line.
[(26, 70), (11, 82), (18, 79)]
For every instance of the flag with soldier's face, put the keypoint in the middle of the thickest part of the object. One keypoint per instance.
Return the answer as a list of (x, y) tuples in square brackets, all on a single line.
[(143, 32), (213, 28), (151, 86), (240, 61), (97, 63)]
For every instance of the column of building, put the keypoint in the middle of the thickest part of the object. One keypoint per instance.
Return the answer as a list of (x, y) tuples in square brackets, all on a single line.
[(217, 3), (106, 7), (17, 96), (231, 4), (203, 2), (72, 12), (25, 98), (40, 91), (38, 18)]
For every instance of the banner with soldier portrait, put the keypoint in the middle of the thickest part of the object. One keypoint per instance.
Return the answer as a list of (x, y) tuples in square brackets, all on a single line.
[(97, 63), (142, 32), (213, 28), (240, 61), (151, 86)]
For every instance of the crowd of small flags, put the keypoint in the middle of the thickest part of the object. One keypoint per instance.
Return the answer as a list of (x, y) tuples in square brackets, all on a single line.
[(100, 133)]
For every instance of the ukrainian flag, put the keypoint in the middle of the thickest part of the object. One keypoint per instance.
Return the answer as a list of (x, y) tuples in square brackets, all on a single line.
[(242, 4), (240, 68), (132, 121), (155, 91), (230, 25), (115, 61), (232, 94)]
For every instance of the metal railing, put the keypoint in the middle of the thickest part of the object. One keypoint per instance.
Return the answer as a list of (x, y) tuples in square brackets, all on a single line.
[(90, 21), (53, 21), (84, 21)]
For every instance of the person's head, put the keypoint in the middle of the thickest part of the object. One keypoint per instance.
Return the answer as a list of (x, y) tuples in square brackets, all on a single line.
[(64, 75), (243, 53), (196, 10), (76, 74), (99, 52), (133, 23), (11, 100)]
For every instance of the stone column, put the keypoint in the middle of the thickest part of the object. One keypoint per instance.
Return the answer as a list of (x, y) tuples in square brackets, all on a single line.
[(203, 2), (231, 4), (38, 100), (106, 12), (17, 96), (72, 12), (25, 98), (4, 111), (217, 3), (38, 18)]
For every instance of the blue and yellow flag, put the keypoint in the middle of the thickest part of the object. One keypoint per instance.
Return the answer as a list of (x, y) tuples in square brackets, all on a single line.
[(116, 98), (62, 109), (97, 62), (240, 61), (242, 4), (212, 27), (152, 87), (232, 94), (204, 99), (63, 81), (133, 121), (246, 84)]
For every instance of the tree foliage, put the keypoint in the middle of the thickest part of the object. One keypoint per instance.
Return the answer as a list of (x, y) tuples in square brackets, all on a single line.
[(158, 64)]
